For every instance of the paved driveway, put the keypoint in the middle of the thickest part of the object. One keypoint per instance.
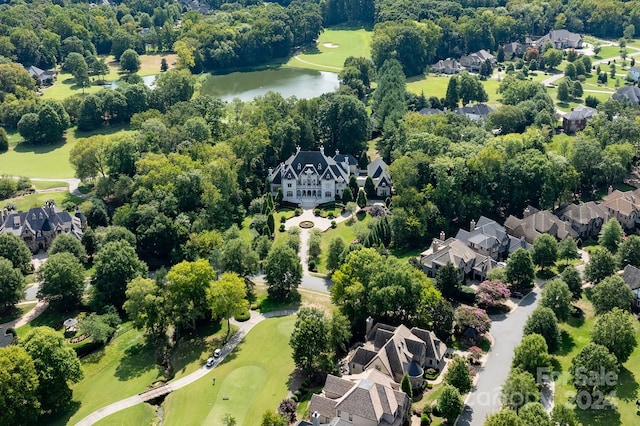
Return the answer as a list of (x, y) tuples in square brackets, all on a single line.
[(507, 333)]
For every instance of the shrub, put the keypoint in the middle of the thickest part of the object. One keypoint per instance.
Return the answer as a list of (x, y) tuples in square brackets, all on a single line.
[(294, 398), (425, 419), (298, 212), (312, 265), (283, 219), (333, 224), (298, 393), (243, 315), (331, 215), (316, 212), (282, 227)]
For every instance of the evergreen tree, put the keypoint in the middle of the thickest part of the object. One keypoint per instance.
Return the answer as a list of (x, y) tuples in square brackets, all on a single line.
[(347, 196), (362, 199), (405, 386), (452, 97)]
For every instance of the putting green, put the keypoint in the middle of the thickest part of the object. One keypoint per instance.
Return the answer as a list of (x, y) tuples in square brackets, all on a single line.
[(253, 378), (239, 389)]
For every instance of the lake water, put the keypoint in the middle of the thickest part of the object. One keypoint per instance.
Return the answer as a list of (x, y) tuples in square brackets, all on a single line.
[(302, 83), (149, 80)]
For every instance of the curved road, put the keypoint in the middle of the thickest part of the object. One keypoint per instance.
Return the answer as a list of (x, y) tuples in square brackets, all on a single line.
[(244, 328)]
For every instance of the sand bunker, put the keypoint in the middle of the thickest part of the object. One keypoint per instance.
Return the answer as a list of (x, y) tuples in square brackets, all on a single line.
[(330, 45)]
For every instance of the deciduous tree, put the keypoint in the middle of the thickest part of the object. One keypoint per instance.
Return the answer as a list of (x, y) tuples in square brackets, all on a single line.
[(491, 294), (533, 414), (519, 270), (543, 322), (629, 252), (227, 296), (467, 316), (186, 291), (531, 354), (567, 249), (11, 284), (519, 389), (459, 375), (601, 265), (67, 243), (615, 331), (56, 365), (545, 251), (16, 251), (18, 387), (448, 281), (450, 403), (62, 281), (594, 361), (336, 250), (611, 293), (611, 235), (557, 297), (572, 277), (130, 61), (283, 272), (310, 340), (504, 417)]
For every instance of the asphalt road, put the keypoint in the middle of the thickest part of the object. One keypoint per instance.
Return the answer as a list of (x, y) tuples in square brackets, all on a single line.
[(506, 331)]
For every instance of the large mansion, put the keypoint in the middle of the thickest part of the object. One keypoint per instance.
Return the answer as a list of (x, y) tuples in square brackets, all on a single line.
[(310, 178)]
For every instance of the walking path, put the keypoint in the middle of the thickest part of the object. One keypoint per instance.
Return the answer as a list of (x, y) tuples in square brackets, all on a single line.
[(28, 316), (72, 182), (243, 329)]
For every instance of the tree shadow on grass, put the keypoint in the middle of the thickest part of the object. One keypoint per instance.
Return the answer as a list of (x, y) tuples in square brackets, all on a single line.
[(599, 417), (555, 364), (194, 343), (136, 360), (104, 130), (627, 389), (63, 417), (38, 149), (566, 344)]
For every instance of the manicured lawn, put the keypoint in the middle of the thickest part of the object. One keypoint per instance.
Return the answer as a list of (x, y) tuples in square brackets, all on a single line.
[(608, 52), (50, 161), (334, 46), (252, 379), (37, 200), (436, 85), (575, 335), (65, 84), (562, 144), (49, 185), (141, 414), (345, 230)]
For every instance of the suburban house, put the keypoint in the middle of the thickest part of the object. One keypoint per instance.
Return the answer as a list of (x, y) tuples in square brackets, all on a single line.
[(631, 276), (585, 218), (535, 223), (469, 263), (634, 73), (366, 399), (474, 61), (395, 351), (42, 77), (309, 178), (40, 225), (488, 238), (561, 39), (447, 66), (624, 206), (628, 95), (475, 112), (576, 120), (513, 49)]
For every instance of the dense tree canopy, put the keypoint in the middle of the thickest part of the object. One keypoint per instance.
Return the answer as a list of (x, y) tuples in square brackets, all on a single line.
[(615, 331), (62, 281), (611, 293), (11, 284), (543, 322), (16, 251), (18, 387)]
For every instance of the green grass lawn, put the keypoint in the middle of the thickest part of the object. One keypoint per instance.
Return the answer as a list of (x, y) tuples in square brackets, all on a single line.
[(138, 415), (49, 185), (334, 46), (50, 161), (253, 379), (575, 335), (608, 52), (37, 200), (436, 85), (345, 230), (562, 144), (65, 84)]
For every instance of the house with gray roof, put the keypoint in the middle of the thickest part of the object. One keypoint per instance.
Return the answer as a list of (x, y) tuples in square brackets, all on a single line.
[(561, 39), (396, 351), (447, 66), (474, 61), (634, 73), (631, 277), (430, 111), (309, 178), (491, 239), (624, 206), (576, 120), (513, 49), (475, 112), (585, 218), (40, 225), (535, 223), (369, 399), (627, 95), (42, 77)]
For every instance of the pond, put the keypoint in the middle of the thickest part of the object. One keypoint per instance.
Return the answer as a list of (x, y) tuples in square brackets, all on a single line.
[(302, 83), (147, 79)]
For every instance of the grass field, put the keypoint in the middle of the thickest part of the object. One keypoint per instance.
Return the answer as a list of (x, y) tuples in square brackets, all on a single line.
[(334, 46), (253, 379), (49, 185), (50, 161), (138, 415), (65, 84), (575, 335), (345, 230), (37, 200), (608, 52), (436, 85)]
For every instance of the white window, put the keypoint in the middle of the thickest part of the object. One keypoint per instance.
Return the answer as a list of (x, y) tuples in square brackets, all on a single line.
[(289, 193)]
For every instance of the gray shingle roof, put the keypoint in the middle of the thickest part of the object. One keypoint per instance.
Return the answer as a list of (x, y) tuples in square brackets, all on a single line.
[(631, 276), (628, 94)]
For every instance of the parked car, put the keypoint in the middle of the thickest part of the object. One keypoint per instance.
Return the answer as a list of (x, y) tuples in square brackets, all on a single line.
[(217, 353), (210, 362)]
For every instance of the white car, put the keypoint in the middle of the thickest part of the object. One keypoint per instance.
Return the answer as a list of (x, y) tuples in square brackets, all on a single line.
[(210, 362), (217, 353)]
